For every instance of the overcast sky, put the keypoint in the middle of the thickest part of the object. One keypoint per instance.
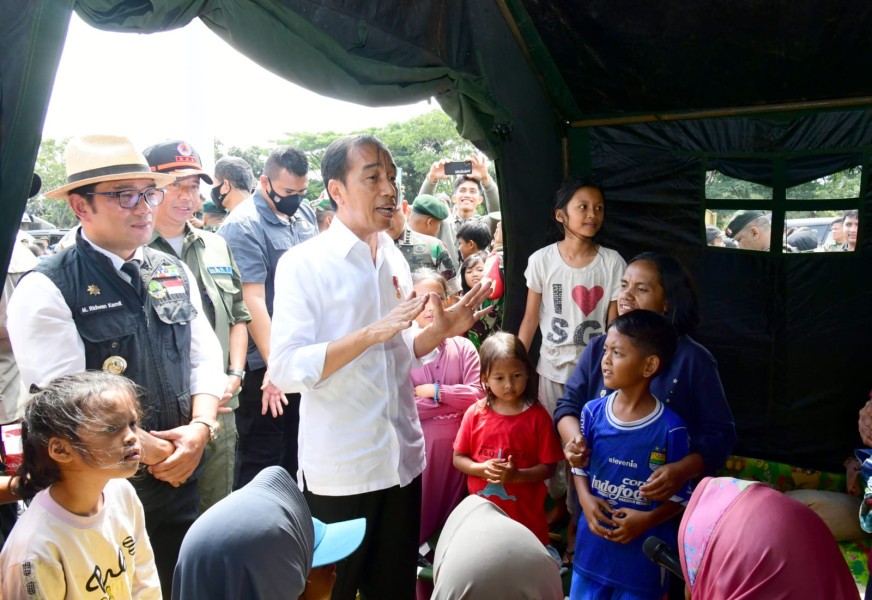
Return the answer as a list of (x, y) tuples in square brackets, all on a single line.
[(136, 85)]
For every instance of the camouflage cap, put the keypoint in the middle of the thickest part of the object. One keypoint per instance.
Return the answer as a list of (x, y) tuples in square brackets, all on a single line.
[(322, 203)]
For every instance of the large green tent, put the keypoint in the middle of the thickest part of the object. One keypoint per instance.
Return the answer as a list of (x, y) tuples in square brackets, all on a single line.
[(648, 97)]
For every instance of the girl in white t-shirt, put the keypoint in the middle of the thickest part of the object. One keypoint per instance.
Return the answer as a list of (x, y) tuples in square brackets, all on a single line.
[(572, 291), (83, 535)]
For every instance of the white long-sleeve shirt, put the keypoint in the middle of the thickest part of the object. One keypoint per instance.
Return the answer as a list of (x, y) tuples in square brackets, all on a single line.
[(47, 344), (359, 428)]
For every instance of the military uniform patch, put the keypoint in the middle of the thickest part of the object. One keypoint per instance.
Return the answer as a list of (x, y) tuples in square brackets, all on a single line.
[(174, 286), (166, 271), (156, 289)]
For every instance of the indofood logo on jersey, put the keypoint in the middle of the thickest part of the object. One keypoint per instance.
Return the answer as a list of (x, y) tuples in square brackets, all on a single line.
[(627, 492)]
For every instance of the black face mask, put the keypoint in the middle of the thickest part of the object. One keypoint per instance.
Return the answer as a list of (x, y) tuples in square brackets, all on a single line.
[(287, 205), (217, 196)]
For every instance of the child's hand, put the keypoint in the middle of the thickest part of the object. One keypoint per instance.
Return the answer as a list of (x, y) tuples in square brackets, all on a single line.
[(425, 390), (497, 470), (576, 451), (866, 424), (598, 512), (631, 524), (491, 471), (505, 471), (854, 485), (664, 483)]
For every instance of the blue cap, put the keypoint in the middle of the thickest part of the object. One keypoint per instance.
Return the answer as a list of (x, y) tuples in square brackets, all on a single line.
[(335, 541)]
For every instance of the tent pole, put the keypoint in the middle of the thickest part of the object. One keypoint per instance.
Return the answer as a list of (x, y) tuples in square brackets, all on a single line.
[(564, 151), (525, 50), (726, 112)]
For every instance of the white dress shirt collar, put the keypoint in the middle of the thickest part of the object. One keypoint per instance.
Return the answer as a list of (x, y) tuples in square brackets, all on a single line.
[(117, 261), (347, 239)]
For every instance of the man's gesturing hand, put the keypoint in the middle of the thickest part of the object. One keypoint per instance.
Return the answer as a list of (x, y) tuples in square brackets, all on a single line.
[(399, 318), (463, 314)]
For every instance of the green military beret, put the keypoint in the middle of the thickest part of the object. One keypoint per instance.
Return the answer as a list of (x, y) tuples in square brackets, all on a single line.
[(209, 207), (425, 204)]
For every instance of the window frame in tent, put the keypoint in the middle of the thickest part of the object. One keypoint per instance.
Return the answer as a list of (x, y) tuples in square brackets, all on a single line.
[(779, 205)]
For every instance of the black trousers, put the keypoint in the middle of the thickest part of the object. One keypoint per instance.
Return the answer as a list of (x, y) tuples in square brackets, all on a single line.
[(264, 441), (167, 526), (384, 567)]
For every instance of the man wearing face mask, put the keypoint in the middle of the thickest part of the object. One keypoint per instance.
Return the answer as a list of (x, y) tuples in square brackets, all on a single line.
[(234, 182), (259, 231)]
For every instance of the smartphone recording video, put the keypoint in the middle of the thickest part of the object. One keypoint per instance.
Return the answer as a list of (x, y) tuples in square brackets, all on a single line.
[(458, 168)]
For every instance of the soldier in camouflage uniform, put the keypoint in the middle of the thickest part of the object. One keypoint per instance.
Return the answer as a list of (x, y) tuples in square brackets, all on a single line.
[(324, 211), (422, 250)]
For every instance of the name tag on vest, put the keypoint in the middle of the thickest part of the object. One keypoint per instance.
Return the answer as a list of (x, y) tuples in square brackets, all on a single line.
[(92, 308), (220, 270)]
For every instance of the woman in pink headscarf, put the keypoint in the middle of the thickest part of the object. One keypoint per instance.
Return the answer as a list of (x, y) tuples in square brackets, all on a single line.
[(741, 540)]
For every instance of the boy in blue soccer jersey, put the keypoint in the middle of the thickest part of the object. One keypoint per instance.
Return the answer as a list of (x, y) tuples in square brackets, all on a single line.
[(630, 434)]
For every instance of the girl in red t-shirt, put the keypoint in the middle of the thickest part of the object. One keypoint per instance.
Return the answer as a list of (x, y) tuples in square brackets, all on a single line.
[(506, 444)]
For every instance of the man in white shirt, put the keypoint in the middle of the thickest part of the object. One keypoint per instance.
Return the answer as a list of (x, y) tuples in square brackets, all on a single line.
[(341, 337), (110, 303)]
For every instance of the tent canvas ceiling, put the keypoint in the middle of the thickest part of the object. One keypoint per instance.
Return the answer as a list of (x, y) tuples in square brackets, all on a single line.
[(791, 335), (632, 57)]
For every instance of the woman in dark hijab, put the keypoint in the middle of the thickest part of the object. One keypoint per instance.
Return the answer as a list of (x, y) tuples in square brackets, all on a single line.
[(261, 542)]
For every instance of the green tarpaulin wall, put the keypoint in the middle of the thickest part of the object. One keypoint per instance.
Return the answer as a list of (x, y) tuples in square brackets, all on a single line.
[(611, 89)]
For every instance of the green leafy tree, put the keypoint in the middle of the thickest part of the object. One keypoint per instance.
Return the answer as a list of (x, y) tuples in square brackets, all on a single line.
[(843, 184), (255, 156), (723, 187), (313, 144), (415, 145), (50, 166), (421, 141)]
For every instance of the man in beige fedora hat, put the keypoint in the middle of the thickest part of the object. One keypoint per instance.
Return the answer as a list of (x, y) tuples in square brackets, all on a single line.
[(110, 303)]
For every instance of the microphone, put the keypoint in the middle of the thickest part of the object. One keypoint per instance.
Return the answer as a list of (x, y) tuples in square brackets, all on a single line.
[(662, 554)]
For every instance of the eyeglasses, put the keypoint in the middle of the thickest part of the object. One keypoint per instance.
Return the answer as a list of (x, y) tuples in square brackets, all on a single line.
[(130, 198)]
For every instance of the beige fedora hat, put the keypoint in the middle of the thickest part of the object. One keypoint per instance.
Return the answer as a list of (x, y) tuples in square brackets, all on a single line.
[(95, 158)]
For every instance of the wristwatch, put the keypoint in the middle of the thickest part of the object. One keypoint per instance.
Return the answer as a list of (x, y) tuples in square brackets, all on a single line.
[(238, 373), (213, 427)]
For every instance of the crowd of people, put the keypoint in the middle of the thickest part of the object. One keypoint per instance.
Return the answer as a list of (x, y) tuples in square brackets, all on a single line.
[(303, 393), (752, 230)]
